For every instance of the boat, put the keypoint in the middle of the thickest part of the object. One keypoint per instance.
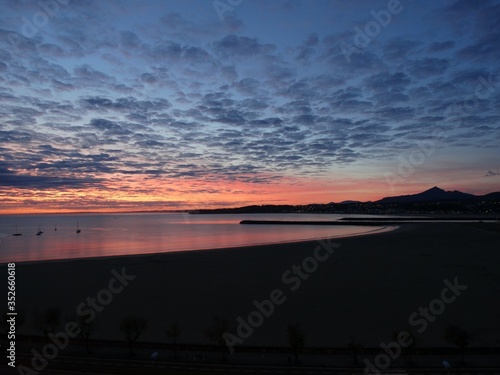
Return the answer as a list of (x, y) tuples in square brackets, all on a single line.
[(78, 227), (39, 233), (17, 233)]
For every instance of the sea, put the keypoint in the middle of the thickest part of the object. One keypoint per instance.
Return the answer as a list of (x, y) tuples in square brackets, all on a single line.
[(113, 234)]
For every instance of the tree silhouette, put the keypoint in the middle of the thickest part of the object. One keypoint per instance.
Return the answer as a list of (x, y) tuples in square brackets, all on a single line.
[(408, 348), (87, 327), (132, 327), (354, 347), (173, 332), (216, 332), (296, 339), (47, 321), (459, 337)]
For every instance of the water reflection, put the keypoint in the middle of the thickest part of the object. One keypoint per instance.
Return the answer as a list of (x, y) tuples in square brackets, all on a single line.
[(121, 234)]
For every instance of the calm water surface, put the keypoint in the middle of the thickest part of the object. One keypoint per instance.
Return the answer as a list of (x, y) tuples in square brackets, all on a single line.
[(126, 234)]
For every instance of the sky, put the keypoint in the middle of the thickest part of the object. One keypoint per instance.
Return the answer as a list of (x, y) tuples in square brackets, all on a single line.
[(182, 104)]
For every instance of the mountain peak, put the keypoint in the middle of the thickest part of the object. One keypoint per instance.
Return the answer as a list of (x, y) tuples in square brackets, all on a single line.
[(433, 194), (434, 189)]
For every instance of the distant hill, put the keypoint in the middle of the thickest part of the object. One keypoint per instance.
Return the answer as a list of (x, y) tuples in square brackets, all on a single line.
[(434, 200), (433, 194), (491, 197)]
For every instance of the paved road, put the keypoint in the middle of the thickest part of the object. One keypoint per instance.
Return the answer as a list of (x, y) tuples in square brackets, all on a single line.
[(79, 365)]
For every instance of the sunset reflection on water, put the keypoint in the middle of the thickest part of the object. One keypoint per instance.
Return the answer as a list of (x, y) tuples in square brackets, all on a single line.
[(126, 234)]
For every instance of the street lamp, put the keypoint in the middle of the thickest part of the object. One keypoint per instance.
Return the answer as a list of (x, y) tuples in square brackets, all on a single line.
[(447, 365), (154, 356)]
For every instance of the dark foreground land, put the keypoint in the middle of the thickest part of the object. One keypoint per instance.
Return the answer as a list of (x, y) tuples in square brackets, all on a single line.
[(348, 295)]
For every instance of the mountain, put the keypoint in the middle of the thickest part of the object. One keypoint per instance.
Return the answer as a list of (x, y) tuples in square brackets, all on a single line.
[(433, 201), (491, 197), (349, 202), (433, 194)]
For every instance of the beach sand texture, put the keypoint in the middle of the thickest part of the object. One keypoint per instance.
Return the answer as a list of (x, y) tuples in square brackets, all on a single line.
[(367, 289)]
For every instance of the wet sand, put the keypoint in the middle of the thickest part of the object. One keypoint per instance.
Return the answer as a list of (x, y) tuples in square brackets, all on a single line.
[(364, 291)]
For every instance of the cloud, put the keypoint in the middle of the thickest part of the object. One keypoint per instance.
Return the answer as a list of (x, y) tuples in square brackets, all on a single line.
[(491, 173), (129, 40), (109, 128), (426, 67), (441, 46), (485, 48), (400, 49), (10, 179), (307, 49), (381, 81), (179, 94), (89, 74), (242, 47)]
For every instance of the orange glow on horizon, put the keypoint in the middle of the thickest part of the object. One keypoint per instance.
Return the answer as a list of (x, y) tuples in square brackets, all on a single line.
[(125, 193)]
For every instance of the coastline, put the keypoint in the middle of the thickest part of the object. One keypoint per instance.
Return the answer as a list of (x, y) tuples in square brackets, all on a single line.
[(303, 242), (158, 247), (367, 289)]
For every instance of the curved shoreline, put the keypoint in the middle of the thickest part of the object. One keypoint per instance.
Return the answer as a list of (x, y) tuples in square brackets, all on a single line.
[(303, 241)]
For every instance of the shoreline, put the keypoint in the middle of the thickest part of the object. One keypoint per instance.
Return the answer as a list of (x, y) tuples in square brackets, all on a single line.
[(367, 289), (383, 228)]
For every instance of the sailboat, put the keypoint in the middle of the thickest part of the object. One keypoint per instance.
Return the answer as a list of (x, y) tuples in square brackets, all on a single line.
[(77, 227), (17, 233), (39, 233)]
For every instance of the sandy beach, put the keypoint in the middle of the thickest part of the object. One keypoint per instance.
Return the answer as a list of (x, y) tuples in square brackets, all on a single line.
[(363, 290)]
